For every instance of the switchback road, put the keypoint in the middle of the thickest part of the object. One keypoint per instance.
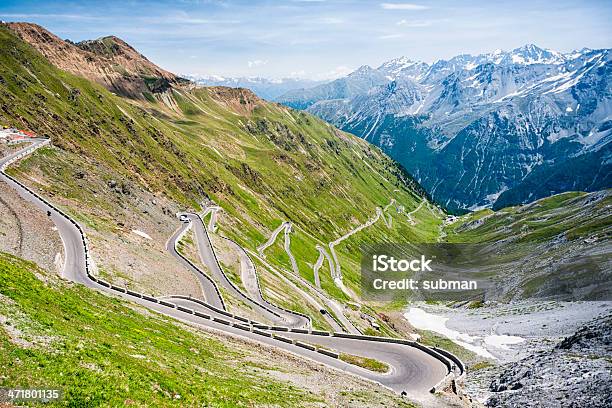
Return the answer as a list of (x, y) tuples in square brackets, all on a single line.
[(414, 369)]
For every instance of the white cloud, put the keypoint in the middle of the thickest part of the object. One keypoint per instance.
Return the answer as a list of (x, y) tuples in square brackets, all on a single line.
[(403, 6), (390, 36), (335, 73), (297, 74), (406, 23), (257, 63)]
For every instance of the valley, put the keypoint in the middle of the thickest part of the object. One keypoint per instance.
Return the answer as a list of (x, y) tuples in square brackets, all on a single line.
[(210, 241)]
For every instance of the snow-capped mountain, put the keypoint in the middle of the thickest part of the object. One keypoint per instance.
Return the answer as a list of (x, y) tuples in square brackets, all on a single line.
[(404, 67), (263, 87), (492, 129), (355, 83)]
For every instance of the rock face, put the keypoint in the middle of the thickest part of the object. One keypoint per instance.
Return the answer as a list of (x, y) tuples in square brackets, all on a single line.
[(576, 373), (487, 130), (239, 100), (108, 61)]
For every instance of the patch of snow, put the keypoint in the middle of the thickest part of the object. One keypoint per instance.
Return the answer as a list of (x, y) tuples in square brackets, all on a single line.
[(142, 234), (422, 320), (491, 198), (594, 137), (501, 341), (518, 59), (567, 85)]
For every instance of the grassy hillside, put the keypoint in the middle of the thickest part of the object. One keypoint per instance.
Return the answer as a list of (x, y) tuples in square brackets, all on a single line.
[(547, 248), (117, 163), (574, 215), (105, 352)]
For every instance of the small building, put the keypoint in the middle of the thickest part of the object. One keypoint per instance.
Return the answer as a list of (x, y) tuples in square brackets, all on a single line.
[(11, 134)]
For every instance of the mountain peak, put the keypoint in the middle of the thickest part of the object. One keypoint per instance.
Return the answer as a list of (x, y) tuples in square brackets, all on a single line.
[(398, 63), (401, 61), (403, 66), (529, 47), (532, 54), (109, 46), (108, 60), (364, 69)]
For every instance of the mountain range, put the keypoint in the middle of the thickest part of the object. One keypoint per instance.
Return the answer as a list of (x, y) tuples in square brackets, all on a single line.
[(262, 87), (494, 129)]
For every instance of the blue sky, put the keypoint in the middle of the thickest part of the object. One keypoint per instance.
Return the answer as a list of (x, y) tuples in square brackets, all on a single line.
[(318, 38)]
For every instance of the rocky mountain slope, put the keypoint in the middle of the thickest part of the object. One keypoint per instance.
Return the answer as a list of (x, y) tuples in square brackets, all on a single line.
[(575, 373), (493, 129), (108, 61), (556, 248)]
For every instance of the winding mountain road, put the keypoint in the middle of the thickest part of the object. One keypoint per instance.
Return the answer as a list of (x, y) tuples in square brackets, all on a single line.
[(338, 321), (209, 258), (322, 256), (414, 369), (211, 293)]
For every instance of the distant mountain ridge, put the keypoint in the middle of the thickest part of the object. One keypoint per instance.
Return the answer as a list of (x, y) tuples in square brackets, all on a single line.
[(263, 87), (487, 130)]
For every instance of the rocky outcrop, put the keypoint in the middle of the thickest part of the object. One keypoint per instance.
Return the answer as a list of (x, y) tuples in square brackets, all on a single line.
[(108, 61), (576, 373), (238, 100)]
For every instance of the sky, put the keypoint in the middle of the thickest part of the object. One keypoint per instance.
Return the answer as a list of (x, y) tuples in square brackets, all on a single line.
[(318, 39)]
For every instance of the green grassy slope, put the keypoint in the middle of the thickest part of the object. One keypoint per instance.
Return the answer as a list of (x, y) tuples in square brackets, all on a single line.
[(102, 352), (261, 162), (574, 214), (546, 248)]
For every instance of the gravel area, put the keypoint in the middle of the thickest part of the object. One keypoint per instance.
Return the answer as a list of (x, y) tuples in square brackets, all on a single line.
[(27, 232), (541, 326), (577, 372)]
